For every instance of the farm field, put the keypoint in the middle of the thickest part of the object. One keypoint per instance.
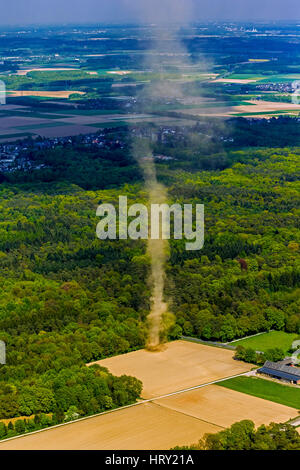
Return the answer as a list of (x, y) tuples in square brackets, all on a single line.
[(259, 60), (266, 106), (181, 419), (178, 420), (11, 122), (74, 122), (143, 427), (181, 364), (62, 123), (217, 111), (18, 116), (25, 71), (55, 124), (95, 119), (273, 339), (163, 423), (248, 78), (223, 406), (61, 130), (237, 80), (44, 94), (248, 108), (267, 389), (274, 114)]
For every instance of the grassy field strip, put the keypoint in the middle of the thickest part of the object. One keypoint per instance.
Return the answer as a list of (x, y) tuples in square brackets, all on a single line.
[(141, 402), (272, 339), (246, 337)]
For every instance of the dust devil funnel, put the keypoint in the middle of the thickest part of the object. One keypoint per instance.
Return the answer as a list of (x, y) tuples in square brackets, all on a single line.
[(166, 14), (157, 248)]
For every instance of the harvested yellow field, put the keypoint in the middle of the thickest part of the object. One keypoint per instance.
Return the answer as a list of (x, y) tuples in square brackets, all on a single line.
[(223, 407), (254, 107), (162, 423), (265, 106), (44, 69), (259, 60), (143, 427), (119, 72), (179, 365), (181, 419), (49, 94)]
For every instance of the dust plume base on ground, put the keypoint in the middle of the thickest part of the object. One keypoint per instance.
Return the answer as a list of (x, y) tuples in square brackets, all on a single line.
[(157, 251)]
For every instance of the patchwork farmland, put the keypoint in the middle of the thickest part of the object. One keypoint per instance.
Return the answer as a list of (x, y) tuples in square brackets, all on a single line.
[(56, 123), (63, 123), (162, 422)]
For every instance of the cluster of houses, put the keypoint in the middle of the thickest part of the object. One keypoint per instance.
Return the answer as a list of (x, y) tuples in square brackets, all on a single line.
[(18, 151), (8, 154), (280, 87), (12, 154)]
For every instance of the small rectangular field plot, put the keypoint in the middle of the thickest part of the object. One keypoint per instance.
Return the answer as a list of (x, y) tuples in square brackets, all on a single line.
[(223, 407)]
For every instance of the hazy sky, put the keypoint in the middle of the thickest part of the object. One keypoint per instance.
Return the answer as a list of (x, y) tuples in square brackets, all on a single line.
[(72, 11)]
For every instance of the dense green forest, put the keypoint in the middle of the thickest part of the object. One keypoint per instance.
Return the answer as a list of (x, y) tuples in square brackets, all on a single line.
[(79, 165), (68, 298), (252, 214), (244, 436)]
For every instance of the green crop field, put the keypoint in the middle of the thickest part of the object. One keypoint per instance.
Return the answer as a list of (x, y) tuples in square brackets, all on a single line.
[(265, 341), (266, 113), (21, 135), (110, 124), (41, 126), (245, 76), (268, 390), (280, 78)]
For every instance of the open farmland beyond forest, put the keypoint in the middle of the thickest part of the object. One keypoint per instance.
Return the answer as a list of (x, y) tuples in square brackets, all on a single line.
[(162, 423)]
